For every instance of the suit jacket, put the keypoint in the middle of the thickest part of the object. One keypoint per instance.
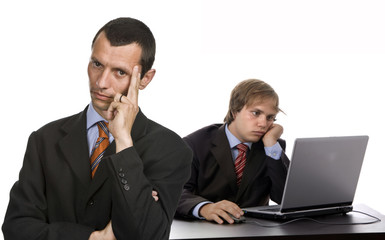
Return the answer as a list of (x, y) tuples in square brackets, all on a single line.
[(213, 175), (55, 197)]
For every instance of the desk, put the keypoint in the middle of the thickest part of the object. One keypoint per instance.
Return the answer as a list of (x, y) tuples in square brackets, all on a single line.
[(303, 229)]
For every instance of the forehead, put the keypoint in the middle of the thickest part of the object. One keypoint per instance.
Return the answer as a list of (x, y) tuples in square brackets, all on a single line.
[(127, 55), (268, 105)]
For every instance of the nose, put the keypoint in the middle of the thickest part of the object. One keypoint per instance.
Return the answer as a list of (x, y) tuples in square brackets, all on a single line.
[(262, 121), (103, 80)]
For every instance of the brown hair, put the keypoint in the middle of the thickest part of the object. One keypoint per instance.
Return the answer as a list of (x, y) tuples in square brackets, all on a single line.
[(248, 92)]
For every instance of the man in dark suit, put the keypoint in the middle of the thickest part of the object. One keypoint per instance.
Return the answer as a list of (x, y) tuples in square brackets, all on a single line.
[(218, 186), (132, 193)]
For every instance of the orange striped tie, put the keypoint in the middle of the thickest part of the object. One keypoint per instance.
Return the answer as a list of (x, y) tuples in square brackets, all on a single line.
[(100, 146), (240, 161)]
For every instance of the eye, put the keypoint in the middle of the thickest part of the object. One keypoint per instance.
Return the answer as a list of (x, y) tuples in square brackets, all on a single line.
[(271, 118), (121, 73), (256, 113), (96, 63)]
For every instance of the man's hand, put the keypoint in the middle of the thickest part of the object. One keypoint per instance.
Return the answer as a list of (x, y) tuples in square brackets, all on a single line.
[(219, 211), (155, 195), (105, 234), (122, 113), (272, 135)]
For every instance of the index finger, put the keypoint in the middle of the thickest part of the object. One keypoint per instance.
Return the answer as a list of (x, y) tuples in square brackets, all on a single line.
[(133, 90)]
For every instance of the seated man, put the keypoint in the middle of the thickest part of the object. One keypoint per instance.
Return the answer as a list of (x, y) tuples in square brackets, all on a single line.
[(240, 163)]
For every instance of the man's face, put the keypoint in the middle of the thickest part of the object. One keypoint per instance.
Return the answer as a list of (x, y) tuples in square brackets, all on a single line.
[(252, 122), (109, 71)]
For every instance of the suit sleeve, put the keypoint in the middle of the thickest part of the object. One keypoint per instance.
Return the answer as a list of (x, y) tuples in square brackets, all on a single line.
[(277, 171), (161, 168), (26, 216), (188, 198)]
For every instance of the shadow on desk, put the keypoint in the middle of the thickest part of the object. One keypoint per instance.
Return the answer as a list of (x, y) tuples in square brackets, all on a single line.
[(302, 229)]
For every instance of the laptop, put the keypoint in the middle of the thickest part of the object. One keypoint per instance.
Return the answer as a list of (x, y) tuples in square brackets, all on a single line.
[(322, 178)]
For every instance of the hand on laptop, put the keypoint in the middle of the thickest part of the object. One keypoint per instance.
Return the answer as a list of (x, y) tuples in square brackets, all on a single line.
[(219, 211)]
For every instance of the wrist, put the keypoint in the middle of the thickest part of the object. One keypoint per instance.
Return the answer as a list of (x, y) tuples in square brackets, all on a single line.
[(124, 143), (94, 236), (268, 142), (202, 210)]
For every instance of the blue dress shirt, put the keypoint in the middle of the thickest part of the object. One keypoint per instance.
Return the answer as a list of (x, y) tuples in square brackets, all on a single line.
[(92, 129)]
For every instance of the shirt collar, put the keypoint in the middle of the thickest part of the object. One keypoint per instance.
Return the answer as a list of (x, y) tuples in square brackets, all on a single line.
[(93, 117), (234, 141)]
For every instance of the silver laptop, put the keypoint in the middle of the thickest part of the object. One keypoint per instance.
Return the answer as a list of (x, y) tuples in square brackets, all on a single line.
[(322, 178)]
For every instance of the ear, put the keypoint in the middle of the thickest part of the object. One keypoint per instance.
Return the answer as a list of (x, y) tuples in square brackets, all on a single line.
[(234, 114), (147, 79)]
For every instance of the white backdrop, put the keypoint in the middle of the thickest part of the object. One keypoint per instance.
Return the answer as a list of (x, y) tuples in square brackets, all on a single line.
[(324, 58)]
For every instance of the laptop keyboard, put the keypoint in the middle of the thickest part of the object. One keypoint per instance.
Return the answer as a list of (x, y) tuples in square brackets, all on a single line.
[(272, 209)]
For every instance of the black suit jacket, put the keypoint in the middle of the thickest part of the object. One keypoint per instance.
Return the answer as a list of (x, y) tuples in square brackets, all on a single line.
[(55, 197), (213, 175)]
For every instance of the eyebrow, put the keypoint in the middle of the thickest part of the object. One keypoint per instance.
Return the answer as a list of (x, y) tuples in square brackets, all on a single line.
[(94, 59), (259, 110)]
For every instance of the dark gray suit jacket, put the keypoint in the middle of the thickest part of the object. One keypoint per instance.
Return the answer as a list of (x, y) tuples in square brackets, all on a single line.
[(213, 175), (55, 197)]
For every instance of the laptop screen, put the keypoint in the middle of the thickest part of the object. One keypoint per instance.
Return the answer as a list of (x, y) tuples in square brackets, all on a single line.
[(323, 172)]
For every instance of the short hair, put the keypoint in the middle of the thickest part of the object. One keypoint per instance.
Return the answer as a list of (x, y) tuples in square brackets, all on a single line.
[(124, 31), (248, 92)]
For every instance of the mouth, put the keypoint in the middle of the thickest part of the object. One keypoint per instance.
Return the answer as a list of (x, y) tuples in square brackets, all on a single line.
[(100, 96), (258, 133)]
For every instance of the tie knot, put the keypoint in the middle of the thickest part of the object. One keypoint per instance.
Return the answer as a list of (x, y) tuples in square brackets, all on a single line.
[(103, 129), (242, 147)]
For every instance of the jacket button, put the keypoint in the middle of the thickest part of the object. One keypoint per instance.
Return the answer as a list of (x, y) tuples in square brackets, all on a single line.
[(121, 174), (91, 203), (124, 181), (126, 187)]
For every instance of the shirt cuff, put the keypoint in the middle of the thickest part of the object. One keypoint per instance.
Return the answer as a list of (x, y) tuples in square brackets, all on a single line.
[(197, 208), (274, 151)]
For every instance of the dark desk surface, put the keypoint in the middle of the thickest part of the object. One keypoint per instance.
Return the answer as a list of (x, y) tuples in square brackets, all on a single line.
[(303, 229)]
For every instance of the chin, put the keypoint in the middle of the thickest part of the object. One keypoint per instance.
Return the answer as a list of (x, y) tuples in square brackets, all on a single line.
[(100, 105), (255, 139)]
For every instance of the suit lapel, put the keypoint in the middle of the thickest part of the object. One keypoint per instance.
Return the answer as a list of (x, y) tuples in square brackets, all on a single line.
[(254, 164), (139, 128), (222, 153), (102, 173), (74, 147)]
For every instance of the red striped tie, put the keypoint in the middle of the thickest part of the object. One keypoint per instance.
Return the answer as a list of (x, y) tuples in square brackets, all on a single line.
[(240, 161), (100, 147)]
